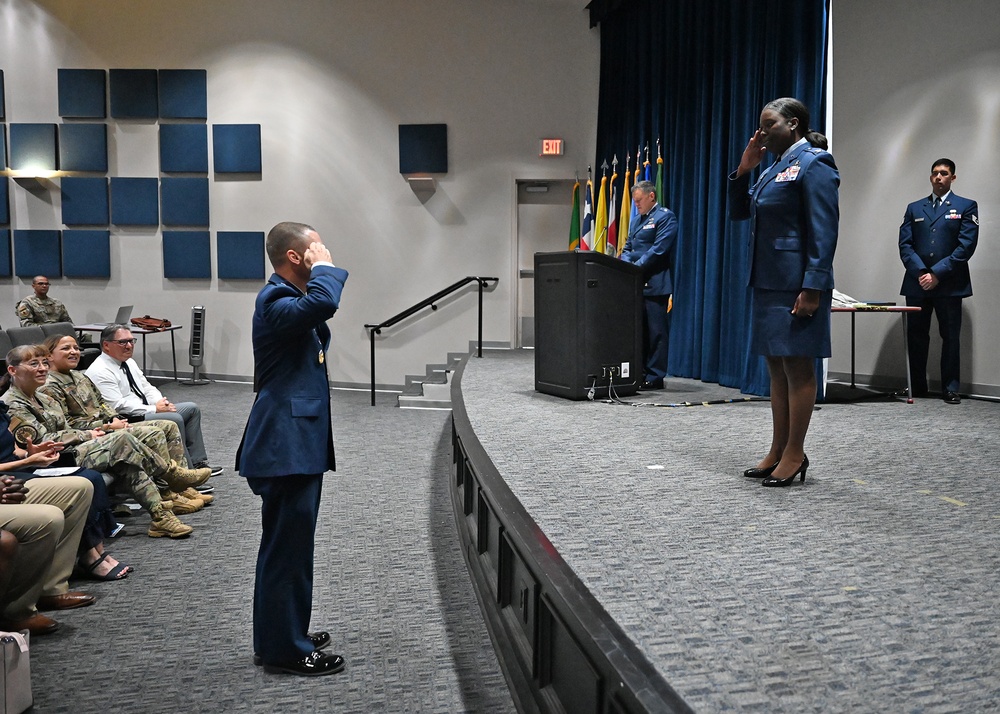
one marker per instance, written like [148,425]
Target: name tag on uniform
[917,220]
[788,174]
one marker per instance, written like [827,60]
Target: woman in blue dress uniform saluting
[794,215]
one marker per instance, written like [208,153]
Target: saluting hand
[752,155]
[316,252]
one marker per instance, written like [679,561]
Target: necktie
[131,383]
[937,202]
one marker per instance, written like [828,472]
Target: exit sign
[552,147]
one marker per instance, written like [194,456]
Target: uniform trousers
[282,599]
[188,421]
[918,340]
[655,336]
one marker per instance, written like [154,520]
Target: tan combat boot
[182,505]
[179,478]
[165,523]
[193,495]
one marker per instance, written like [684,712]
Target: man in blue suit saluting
[288,445]
[938,236]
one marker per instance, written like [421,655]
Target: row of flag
[606,231]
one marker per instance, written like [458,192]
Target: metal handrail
[429,302]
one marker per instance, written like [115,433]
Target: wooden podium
[588,325]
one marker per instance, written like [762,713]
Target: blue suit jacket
[289,430]
[795,215]
[650,245]
[940,241]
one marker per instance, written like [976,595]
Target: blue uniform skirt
[776,332]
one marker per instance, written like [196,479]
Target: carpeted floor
[391,587]
[872,588]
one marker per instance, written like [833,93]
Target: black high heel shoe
[761,473]
[788,481]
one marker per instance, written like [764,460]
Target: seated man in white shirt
[125,388]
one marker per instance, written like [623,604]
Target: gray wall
[912,82]
[329,82]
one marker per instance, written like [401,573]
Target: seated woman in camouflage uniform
[119,452]
[85,409]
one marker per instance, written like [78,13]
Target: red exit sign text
[552,147]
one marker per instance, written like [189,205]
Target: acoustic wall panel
[83,147]
[84,201]
[4,201]
[240,255]
[423,148]
[83,93]
[134,201]
[133,94]
[236,148]
[184,201]
[36,252]
[86,254]
[3,114]
[33,147]
[5,262]
[187,254]
[183,93]
[183,148]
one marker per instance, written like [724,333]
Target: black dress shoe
[651,385]
[314,664]
[761,473]
[319,641]
[952,398]
[772,482]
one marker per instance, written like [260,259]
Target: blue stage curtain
[696,74]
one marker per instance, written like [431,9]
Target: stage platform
[873,587]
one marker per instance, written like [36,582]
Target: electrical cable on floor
[615,399]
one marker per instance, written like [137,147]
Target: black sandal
[119,572]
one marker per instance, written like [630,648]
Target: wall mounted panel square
[184,148]
[183,93]
[33,147]
[83,147]
[3,114]
[5,262]
[36,253]
[187,254]
[236,148]
[240,255]
[83,93]
[184,201]
[4,201]
[84,201]
[423,148]
[134,201]
[86,254]
[133,94]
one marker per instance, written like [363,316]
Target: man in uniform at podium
[650,246]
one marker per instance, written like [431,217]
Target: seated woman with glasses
[86,409]
[23,462]
[118,453]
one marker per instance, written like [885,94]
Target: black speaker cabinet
[588,324]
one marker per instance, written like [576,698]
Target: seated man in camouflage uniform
[40,309]
[85,409]
[120,453]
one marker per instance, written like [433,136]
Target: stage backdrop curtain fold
[695,74]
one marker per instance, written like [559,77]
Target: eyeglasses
[124,343]
[35,364]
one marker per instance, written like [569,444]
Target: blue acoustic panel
[3,114]
[133,94]
[184,201]
[4,201]
[83,147]
[83,93]
[184,148]
[187,254]
[134,201]
[240,255]
[236,148]
[36,253]
[423,148]
[84,201]
[33,147]
[5,262]
[86,254]
[183,93]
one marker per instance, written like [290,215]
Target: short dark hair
[645,187]
[108,333]
[944,162]
[284,237]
